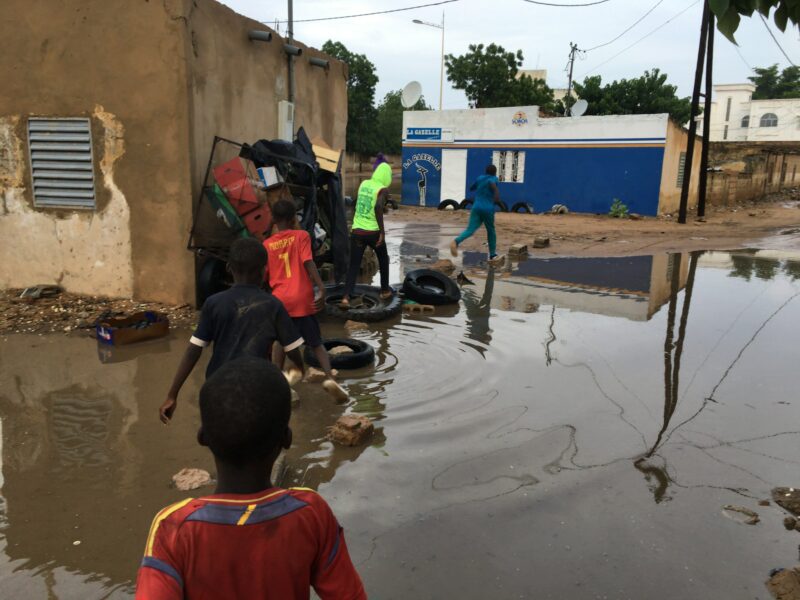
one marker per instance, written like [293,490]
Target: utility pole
[573,49]
[290,37]
[701,196]
[441,72]
[698,77]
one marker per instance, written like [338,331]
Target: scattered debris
[749,517]
[191,479]
[541,241]
[445,266]
[789,523]
[752,214]
[351,430]
[138,327]
[51,314]
[518,250]
[76,543]
[788,498]
[41,291]
[635,217]
[559,209]
[411,308]
[335,390]
[784,584]
[764,502]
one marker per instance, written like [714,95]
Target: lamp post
[441,73]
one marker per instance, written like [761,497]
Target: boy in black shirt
[241,321]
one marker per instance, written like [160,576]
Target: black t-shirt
[244,321]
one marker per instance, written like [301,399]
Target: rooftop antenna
[411,94]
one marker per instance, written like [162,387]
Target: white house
[736,117]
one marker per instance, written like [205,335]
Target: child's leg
[383,265]
[357,248]
[278,355]
[472,227]
[323,359]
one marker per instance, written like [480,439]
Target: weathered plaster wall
[670,194]
[236,85]
[121,62]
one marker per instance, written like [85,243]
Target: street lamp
[441,74]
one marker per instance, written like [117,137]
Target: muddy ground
[601,235]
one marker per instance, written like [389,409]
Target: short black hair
[284,211]
[244,410]
[247,256]
[491,170]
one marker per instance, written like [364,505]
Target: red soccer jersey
[288,251]
[271,545]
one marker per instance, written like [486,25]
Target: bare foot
[335,390]
[454,248]
[344,304]
[293,376]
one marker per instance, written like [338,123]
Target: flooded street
[572,429]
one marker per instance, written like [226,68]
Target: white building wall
[788,128]
[736,117]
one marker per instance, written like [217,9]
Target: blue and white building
[584,163]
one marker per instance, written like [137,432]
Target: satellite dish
[411,94]
[579,108]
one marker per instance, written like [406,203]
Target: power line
[369,14]
[744,60]
[664,24]
[565,5]
[642,18]
[777,43]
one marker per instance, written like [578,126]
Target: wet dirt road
[570,430]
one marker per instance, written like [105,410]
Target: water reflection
[478,311]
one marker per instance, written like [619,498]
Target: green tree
[389,122]
[729,13]
[770,84]
[361,112]
[648,94]
[489,77]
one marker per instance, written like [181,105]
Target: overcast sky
[403,51]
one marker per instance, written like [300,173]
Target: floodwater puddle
[573,428]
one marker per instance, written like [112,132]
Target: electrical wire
[369,14]
[777,43]
[642,18]
[565,5]
[647,35]
[744,60]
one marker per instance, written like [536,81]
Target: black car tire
[427,286]
[362,354]
[373,308]
[466,204]
[213,277]
[445,204]
[522,207]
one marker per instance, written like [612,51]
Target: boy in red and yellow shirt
[249,539]
[292,275]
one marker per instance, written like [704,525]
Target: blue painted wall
[585,179]
[422,166]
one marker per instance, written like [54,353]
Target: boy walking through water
[249,539]
[368,230]
[292,275]
[486,196]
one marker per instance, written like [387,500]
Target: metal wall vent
[61,163]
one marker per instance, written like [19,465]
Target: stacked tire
[426,286]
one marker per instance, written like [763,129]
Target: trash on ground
[140,326]
[351,430]
[789,523]
[41,291]
[784,584]
[634,216]
[335,390]
[788,498]
[740,514]
[444,265]
[191,479]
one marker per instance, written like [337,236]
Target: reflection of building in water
[632,287]
[759,264]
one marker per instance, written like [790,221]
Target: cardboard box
[269,176]
[139,326]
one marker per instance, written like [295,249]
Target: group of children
[251,539]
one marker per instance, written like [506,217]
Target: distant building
[736,117]
[558,93]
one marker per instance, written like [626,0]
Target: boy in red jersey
[292,275]
[249,539]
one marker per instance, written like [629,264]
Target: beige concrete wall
[120,63]
[670,194]
[236,85]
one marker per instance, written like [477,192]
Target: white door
[454,174]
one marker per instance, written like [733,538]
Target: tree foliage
[729,13]
[489,77]
[389,123]
[648,94]
[361,111]
[770,84]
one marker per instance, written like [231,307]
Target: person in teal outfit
[486,196]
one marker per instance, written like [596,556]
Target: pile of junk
[243,181]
